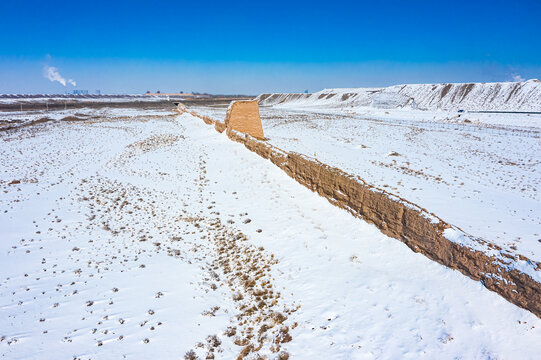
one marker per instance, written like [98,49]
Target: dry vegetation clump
[190,355]
[155,142]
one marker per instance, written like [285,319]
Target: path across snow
[151,237]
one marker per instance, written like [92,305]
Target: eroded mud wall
[243,116]
[398,218]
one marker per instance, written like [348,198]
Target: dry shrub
[190,355]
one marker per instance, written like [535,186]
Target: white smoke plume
[53,75]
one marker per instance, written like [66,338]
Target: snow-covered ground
[149,237]
[24,99]
[21,118]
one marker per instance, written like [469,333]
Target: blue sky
[252,47]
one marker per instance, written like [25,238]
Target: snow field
[152,237]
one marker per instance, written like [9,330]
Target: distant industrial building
[77,92]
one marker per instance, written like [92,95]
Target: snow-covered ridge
[501,96]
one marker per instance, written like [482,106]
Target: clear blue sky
[260,46]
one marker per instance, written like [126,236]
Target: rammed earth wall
[243,116]
[420,230]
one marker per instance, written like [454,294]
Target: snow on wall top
[502,96]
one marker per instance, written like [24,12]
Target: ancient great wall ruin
[394,216]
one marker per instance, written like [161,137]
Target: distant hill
[502,96]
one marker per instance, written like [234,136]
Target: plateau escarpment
[503,96]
